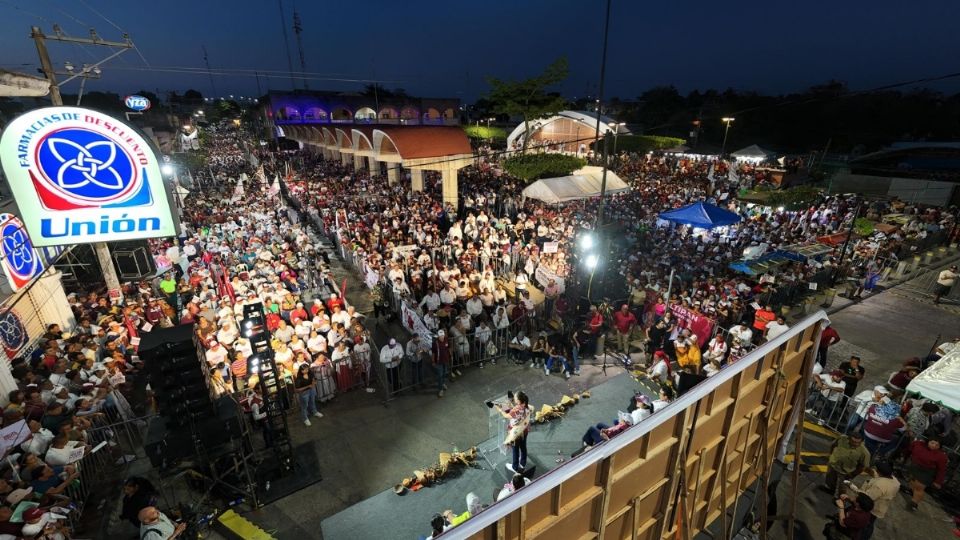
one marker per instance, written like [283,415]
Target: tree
[193,96]
[529,97]
[530,167]
[154,99]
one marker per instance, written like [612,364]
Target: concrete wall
[911,190]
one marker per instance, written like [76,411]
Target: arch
[344,143]
[315,114]
[383,144]
[431,114]
[287,113]
[409,113]
[449,113]
[365,115]
[388,113]
[360,142]
[329,139]
[341,115]
[314,134]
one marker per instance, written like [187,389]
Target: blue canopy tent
[702,215]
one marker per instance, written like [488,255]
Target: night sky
[448,47]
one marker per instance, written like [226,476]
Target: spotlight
[591,261]
[586,241]
[166,169]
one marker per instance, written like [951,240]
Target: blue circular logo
[17,249]
[13,335]
[83,166]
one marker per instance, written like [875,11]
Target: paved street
[884,330]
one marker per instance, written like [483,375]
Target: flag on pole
[238,192]
[261,175]
[275,188]
[732,174]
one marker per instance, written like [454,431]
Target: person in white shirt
[482,334]
[317,344]
[776,328]
[39,440]
[216,354]
[339,316]
[431,301]
[660,370]
[390,356]
[228,333]
[520,345]
[716,349]
[741,332]
[361,351]
[474,306]
[517,482]
[448,295]
[664,399]
[945,281]
[831,386]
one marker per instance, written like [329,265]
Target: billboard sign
[22,262]
[80,176]
[137,103]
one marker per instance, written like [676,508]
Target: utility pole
[206,61]
[298,29]
[100,248]
[286,44]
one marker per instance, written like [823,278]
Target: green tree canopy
[530,167]
[529,98]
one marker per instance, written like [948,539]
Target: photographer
[852,518]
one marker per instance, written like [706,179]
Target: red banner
[701,325]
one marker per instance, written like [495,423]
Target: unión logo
[136,103]
[13,335]
[20,260]
[82,176]
[80,168]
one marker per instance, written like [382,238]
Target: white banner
[13,435]
[414,324]
[543,277]
[551,247]
[405,251]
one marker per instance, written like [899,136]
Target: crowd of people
[496,278]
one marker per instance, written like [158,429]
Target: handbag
[491,349]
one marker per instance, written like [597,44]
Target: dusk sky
[447,47]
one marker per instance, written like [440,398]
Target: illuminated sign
[13,335]
[22,262]
[136,103]
[80,176]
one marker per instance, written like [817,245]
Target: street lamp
[726,120]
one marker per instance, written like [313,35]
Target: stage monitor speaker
[132,260]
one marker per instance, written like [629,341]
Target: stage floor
[364,448]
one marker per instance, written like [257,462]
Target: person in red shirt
[334,300]
[761,318]
[928,466]
[828,337]
[299,313]
[624,321]
[853,519]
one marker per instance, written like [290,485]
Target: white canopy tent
[753,153]
[582,184]
[941,381]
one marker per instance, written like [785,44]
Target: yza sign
[80,176]
[136,103]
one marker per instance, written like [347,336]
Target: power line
[231,73]
[20,9]
[102,16]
